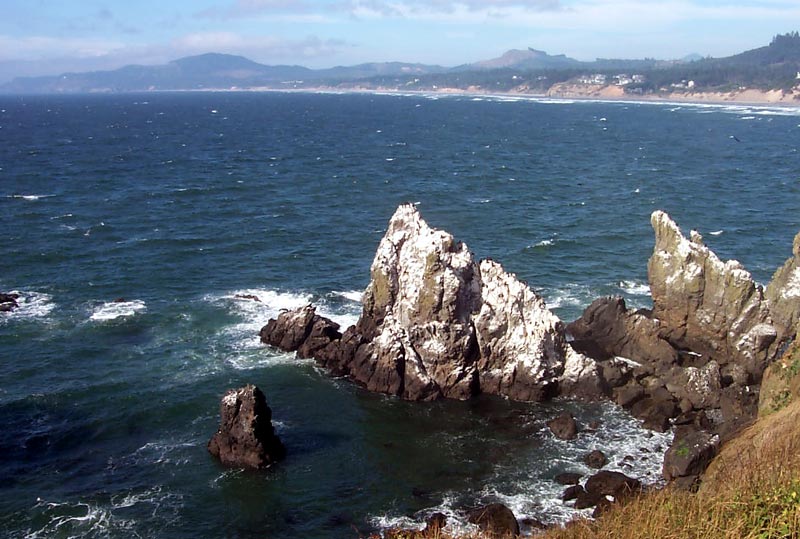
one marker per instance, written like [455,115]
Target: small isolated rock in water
[596,459]
[496,520]
[564,426]
[8,302]
[246,437]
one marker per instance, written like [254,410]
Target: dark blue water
[177,203]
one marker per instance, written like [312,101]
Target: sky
[50,37]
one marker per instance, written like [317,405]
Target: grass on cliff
[751,491]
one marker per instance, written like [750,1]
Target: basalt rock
[608,329]
[564,426]
[246,437]
[616,484]
[688,456]
[436,323]
[8,302]
[495,520]
[705,344]
[595,459]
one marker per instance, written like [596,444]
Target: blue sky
[55,36]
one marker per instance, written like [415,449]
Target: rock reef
[437,323]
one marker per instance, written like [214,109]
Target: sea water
[136,229]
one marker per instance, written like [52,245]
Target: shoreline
[745,98]
[773,99]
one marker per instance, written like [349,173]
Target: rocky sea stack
[437,323]
[246,437]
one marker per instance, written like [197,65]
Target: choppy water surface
[131,223]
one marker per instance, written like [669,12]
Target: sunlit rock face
[715,308]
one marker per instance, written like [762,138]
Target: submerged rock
[8,302]
[436,323]
[245,436]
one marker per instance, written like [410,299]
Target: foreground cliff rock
[246,437]
[436,323]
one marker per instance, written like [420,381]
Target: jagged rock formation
[246,437]
[436,323]
[711,307]
[701,351]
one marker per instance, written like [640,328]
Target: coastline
[789,100]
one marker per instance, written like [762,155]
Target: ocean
[131,223]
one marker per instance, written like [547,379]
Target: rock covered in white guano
[522,344]
[463,326]
[436,323]
[708,306]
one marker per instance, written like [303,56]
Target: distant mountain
[529,59]
[205,71]
[363,71]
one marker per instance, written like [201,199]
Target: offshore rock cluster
[436,323]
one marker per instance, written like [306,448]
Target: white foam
[117,309]
[106,519]
[571,295]
[29,197]
[31,305]
[351,295]
[635,288]
[255,307]
[543,243]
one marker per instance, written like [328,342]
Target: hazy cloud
[248,8]
[36,56]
